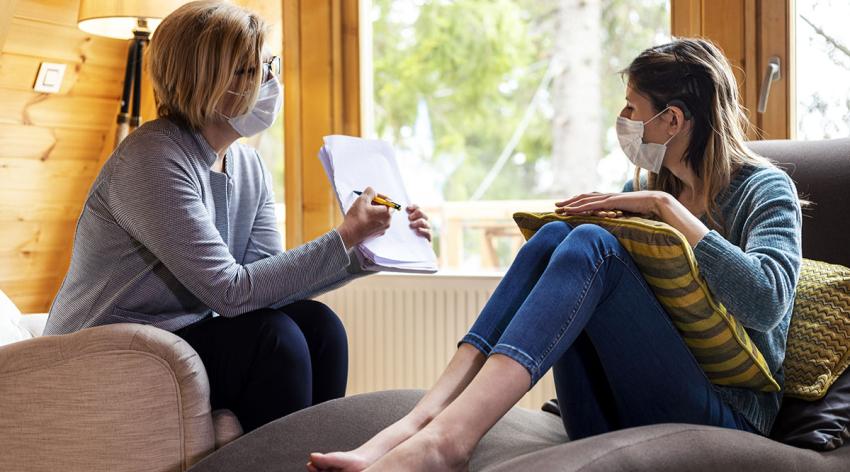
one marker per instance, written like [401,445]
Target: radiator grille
[403,329]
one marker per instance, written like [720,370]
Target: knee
[593,236]
[324,320]
[281,338]
[587,239]
[550,235]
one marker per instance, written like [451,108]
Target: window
[269,144]
[495,106]
[822,44]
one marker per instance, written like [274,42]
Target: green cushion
[719,343]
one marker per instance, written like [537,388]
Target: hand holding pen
[418,219]
[364,219]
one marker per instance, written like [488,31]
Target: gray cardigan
[164,240]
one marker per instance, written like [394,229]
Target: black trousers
[268,363]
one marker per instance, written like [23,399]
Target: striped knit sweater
[165,240]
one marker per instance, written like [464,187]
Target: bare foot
[428,450]
[372,450]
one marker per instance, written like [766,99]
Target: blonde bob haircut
[198,53]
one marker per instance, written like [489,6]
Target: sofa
[129,397]
[526,440]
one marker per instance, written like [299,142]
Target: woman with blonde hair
[574,301]
[178,230]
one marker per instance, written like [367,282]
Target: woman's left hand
[644,202]
[419,221]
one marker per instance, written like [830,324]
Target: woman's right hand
[364,220]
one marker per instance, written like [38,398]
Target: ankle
[451,442]
[421,416]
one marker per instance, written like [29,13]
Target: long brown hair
[695,73]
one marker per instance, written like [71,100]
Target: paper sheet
[356,163]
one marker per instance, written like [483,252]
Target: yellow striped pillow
[719,343]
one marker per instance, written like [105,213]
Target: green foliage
[476,64]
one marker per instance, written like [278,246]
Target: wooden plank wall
[50,144]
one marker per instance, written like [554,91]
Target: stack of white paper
[356,163]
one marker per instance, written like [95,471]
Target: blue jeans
[573,300]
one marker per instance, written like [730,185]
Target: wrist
[661,202]
[346,236]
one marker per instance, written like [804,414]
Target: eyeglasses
[270,68]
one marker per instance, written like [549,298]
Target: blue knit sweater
[752,267]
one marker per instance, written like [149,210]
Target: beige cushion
[10,329]
[33,324]
[227,427]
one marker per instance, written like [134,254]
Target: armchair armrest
[114,397]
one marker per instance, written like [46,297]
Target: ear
[676,123]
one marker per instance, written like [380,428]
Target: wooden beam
[292,122]
[322,95]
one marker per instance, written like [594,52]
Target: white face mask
[647,156]
[261,116]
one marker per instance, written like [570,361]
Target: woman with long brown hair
[574,301]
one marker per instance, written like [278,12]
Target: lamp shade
[118,18]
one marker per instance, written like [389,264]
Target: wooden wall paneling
[50,144]
[7,12]
[49,11]
[89,80]
[321,79]
[33,108]
[43,143]
[56,43]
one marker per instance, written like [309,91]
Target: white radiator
[403,329]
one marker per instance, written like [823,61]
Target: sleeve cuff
[338,247]
[709,251]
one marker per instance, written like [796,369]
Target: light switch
[49,78]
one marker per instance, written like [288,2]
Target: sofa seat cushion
[522,440]
[285,444]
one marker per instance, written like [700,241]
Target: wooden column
[321,96]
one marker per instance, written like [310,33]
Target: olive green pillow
[719,343]
[818,349]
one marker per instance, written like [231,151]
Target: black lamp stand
[132,82]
